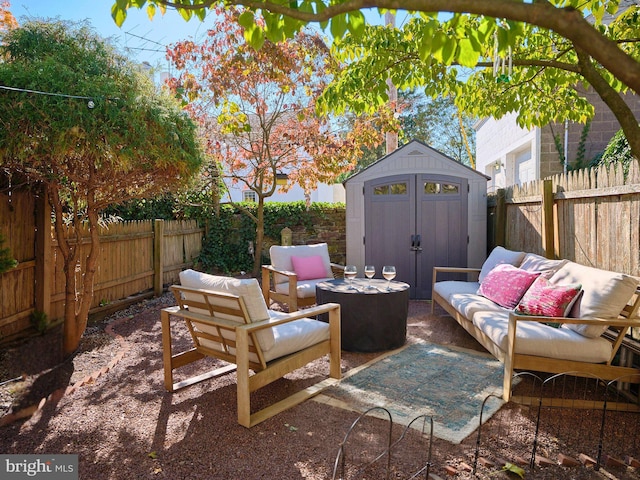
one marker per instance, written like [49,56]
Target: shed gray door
[416,222]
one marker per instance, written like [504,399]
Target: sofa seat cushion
[604,294]
[534,338]
[448,287]
[295,336]
[305,288]
[469,303]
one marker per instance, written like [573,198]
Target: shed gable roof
[416,148]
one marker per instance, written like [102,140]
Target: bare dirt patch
[123,424]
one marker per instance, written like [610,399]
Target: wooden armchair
[228,319]
[294,272]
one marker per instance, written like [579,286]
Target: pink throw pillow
[506,284]
[309,268]
[549,300]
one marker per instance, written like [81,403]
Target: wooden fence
[135,258]
[590,216]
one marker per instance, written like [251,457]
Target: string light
[90,100]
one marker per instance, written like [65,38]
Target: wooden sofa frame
[618,328]
[238,343]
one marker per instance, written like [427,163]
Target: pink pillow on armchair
[506,284]
[309,268]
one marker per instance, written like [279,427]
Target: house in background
[511,155]
[322,193]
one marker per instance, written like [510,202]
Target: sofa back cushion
[604,294]
[248,289]
[537,263]
[506,284]
[500,255]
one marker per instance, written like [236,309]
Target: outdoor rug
[447,383]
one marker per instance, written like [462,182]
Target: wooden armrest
[456,269]
[297,315]
[337,270]
[611,322]
[201,317]
[272,269]
[437,270]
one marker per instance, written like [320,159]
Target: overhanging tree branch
[614,101]
[567,22]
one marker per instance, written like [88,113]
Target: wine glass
[369,272]
[389,273]
[350,272]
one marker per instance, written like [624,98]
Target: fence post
[501,217]
[44,262]
[548,232]
[158,273]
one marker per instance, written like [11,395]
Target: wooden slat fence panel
[182,244]
[524,218]
[17,226]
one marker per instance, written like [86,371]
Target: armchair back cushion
[281,257]
[248,289]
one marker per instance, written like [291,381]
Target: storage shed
[416,208]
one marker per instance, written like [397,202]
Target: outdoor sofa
[542,315]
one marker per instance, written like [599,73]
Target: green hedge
[225,248]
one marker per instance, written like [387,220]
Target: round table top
[362,285]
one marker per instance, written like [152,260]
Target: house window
[391,189]
[249,196]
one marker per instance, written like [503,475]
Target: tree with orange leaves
[7,20]
[258,109]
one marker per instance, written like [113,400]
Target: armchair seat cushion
[305,288]
[295,336]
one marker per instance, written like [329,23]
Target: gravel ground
[123,424]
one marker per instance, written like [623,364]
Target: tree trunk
[259,237]
[613,100]
[77,303]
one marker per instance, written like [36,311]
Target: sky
[140,38]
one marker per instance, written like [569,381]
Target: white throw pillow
[497,256]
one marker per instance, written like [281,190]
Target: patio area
[123,424]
